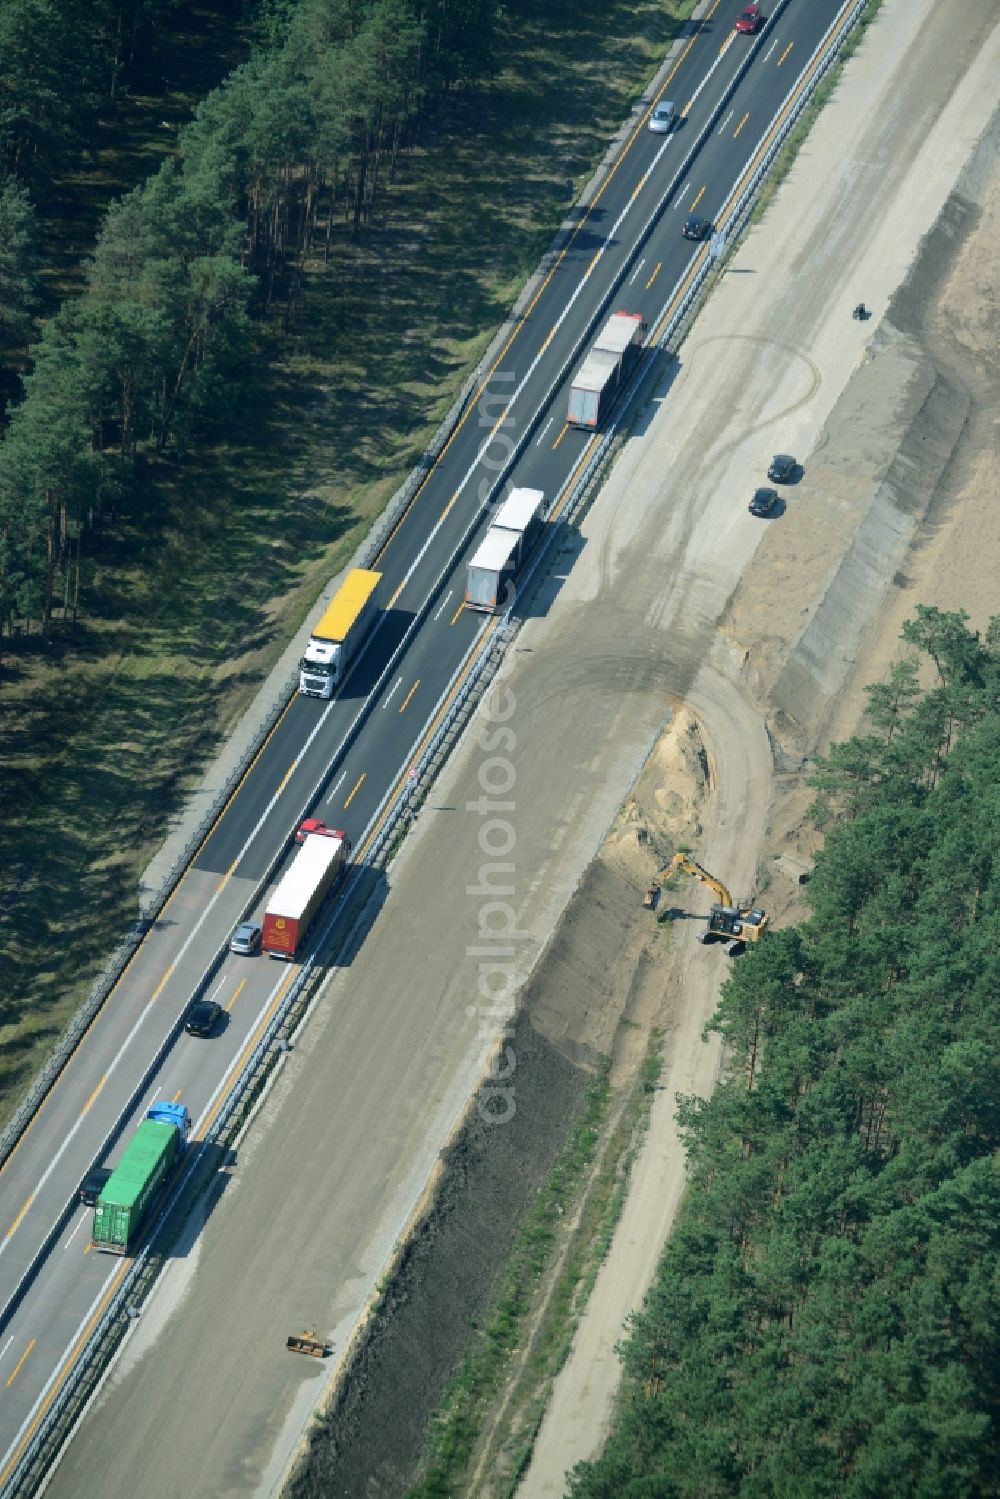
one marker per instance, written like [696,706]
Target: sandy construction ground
[895,423]
[673,597]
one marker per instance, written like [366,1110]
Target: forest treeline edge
[153,355]
[825,1320]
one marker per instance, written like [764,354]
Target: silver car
[246,939]
[664,118]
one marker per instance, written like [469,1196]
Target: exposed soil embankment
[906,473]
[869,484]
[595,995]
[371,1439]
[899,464]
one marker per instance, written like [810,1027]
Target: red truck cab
[318,826]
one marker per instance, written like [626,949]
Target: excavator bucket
[307,1342]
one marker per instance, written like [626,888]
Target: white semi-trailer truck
[606,369]
[334,642]
[513,533]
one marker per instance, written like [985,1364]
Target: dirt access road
[871,181]
[339,1159]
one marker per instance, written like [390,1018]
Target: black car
[763,502]
[202,1018]
[782,468]
[696,228]
[93,1185]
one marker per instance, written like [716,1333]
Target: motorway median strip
[480,643]
[246,771]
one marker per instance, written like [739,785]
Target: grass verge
[457,1423]
[105,731]
[485,1429]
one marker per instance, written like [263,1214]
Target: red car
[750,20]
[315,825]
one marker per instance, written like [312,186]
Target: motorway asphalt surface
[339,759]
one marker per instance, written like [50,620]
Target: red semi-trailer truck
[606,369]
[299,895]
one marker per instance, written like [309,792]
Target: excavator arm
[685,861]
[727,921]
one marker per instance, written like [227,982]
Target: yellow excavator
[727,922]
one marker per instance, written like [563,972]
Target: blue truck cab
[175,1114]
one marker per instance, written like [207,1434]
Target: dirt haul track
[765,632]
[902,484]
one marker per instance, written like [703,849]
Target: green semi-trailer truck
[141,1173]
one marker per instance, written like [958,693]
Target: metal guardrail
[127,949]
[473,674]
[477,665]
[154,904]
[740,212]
[364,557]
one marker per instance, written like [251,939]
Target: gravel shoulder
[347,1150]
[895,424]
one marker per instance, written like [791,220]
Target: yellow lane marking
[142,945]
[285,780]
[177,1097]
[239,991]
[785,53]
[457,612]
[429,730]
[741,124]
[559,439]
[548,338]
[790,103]
[578,470]
[13,1227]
[444,512]
[501,356]
[357,788]
[526,315]
[20,1361]
[87,1106]
[112,1289]
[56,1385]
[156,991]
[431,727]
[697,200]
[409,695]
[396,594]
[654,275]
[226,877]
[251,1041]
